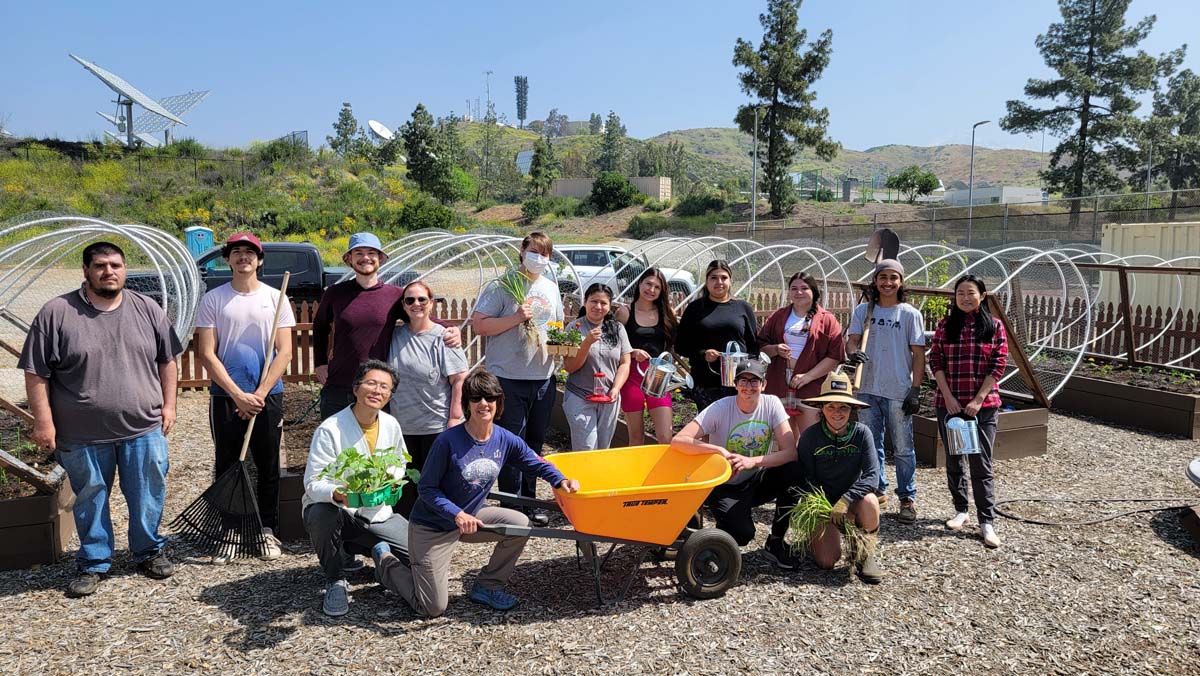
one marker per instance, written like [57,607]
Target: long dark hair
[715,265]
[985,325]
[666,316]
[812,284]
[608,325]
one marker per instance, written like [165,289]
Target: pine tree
[420,143]
[488,174]
[522,84]
[1178,110]
[450,145]
[612,145]
[1093,99]
[595,124]
[544,167]
[778,76]
[344,131]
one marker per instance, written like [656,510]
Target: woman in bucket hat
[837,456]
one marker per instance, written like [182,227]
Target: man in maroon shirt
[361,313]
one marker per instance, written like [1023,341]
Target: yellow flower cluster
[197,215]
[554,325]
[13,188]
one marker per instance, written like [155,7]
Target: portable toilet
[199,239]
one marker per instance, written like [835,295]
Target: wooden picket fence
[1040,314]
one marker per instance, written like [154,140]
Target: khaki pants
[424,584]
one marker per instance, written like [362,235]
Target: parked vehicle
[309,278]
[614,267]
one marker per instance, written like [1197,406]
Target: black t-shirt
[707,325]
[844,466]
[652,339]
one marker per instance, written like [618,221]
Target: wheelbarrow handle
[506,529]
[522,501]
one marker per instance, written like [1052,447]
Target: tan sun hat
[837,390]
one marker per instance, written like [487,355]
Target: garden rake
[225,518]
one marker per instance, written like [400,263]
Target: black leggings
[418,446]
[228,430]
[733,504]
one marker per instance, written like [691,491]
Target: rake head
[225,518]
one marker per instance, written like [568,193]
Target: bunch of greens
[517,284]
[557,335]
[811,514]
[369,472]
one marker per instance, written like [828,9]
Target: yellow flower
[554,325]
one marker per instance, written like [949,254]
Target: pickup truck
[309,278]
[613,266]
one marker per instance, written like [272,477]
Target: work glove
[837,516]
[912,403]
[857,358]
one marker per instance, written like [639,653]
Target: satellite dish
[380,131]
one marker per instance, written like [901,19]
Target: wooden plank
[1127,317]
[41,481]
[23,415]
[1017,351]
[10,349]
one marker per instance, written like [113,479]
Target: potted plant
[371,479]
[563,342]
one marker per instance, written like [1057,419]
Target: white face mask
[535,262]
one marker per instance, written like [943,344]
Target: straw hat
[837,390]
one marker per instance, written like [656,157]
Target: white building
[994,194]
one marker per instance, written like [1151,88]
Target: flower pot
[388,495]
[567,351]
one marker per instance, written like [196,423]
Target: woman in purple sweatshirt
[460,470]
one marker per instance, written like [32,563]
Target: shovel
[884,244]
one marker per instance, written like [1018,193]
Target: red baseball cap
[242,238]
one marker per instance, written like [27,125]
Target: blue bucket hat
[365,239]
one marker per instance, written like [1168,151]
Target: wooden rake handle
[262,379]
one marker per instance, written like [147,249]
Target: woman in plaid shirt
[968,356]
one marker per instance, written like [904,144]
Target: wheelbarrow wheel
[708,564]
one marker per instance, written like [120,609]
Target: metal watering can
[962,435]
[731,359]
[660,376]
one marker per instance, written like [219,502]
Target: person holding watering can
[968,356]
[804,341]
[709,324]
[651,327]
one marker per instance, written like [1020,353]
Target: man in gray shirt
[100,375]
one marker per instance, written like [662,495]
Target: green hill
[732,148]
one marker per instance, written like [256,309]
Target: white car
[614,267]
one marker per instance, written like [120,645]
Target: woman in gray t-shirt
[602,363]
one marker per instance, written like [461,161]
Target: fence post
[932,224]
[243,163]
[139,164]
[1095,215]
[196,169]
[875,220]
[1126,318]
[1004,228]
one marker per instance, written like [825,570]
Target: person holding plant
[893,369]
[362,313]
[462,466]
[432,373]
[651,326]
[708,324]
[837,458]
[602,363]
[968,355]
[233,329]
[804,341]
[513,313]
[339,531]
[741,429]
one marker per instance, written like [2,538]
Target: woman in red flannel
[968,356]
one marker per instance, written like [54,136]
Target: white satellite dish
[380,131]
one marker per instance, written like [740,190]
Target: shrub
[645,226]
[422,211]
[701,200]
[534,207]
[612,191]
[657,205]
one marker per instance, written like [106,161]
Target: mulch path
[1119,596]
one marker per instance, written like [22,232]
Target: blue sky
[916,73]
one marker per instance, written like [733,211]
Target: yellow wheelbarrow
[645,496]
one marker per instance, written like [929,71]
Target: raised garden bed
[1020,433]
[1147,403]
[36,529]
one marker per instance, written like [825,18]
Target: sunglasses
[414,300]
[483,397]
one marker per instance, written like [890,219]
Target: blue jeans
[886,419]
[142,464]
[527,408]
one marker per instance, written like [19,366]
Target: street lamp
[971,181]
[754,178]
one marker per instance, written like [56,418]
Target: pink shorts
[633,399]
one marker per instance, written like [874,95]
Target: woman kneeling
[460,470]
[837,456]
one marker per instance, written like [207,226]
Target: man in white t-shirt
[742,428]
[233,331]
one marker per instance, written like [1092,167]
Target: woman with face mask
[599,368]
[524,367]
[708,324]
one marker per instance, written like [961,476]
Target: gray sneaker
[908,511]
[337,599]
[84,584]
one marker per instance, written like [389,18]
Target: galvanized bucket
[962,435]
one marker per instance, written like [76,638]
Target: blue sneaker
[498,599]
